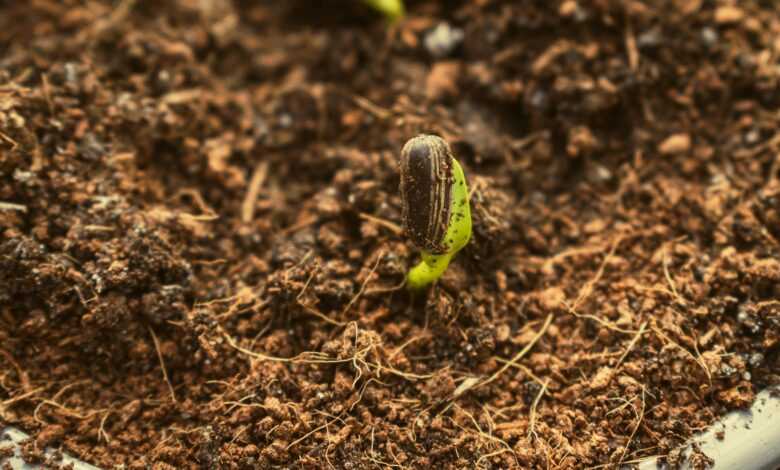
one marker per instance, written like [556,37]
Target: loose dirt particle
[602,378]
[675,144]
[728,14]
[442,80]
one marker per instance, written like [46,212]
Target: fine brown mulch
[200,253]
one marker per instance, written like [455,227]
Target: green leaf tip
[392,9]
[436,210]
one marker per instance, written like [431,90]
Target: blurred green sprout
[392,9]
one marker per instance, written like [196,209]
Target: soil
[200,253]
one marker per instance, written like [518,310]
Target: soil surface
[200,253]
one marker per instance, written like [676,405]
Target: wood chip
[442,80]
[250,201]
[729,14]
[9,206]
[675,144]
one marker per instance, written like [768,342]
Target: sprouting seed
[436,211]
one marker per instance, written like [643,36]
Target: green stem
[458,235]
[428,270]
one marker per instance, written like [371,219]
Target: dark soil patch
[198,249]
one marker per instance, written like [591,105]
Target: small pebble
[442,40]
[756,359]
[752,136]
[71,72]
[709,36]
[285,120]
[23,176]
[748,322]
[650,39]
[539,99]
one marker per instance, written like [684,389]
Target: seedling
[436,212]
[392,9]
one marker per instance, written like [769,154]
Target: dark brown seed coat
[426,184]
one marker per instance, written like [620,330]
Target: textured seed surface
[426,183]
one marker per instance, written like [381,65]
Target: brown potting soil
[200,253]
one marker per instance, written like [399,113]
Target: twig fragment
[632,344]
[10,206]
[532,415]
[395,228]
[253,191]
[162,364]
